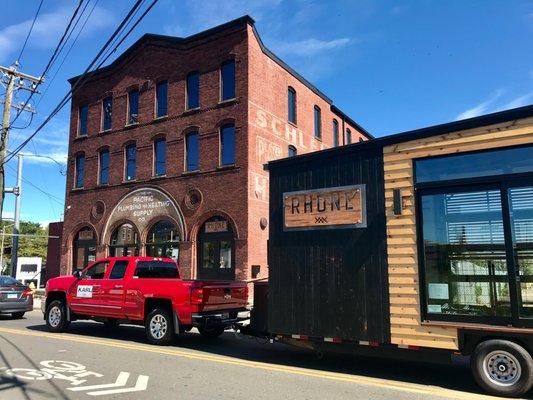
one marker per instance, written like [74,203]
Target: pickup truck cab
[146,291]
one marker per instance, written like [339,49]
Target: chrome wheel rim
[54,316]
[502,368]
[158,326]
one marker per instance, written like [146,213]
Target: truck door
[84,295]
[112,290]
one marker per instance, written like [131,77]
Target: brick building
[167,146]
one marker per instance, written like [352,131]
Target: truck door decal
[84,291]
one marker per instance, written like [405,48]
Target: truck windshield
[156,269]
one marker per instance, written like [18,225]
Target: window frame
[103,122]
[317,122]
[292,104]
[293,149]
[154,156]
[118,262]
[186,147]
[156,103]
[128,115]
[348,138]
[125,174]
[221,145]
[221,81]
[187,94]
[79,156]
[100,183]
[79,130]
[335,133]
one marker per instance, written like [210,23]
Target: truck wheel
[17,315]
[159,327]
[502,368]
[211,332]
[56,316]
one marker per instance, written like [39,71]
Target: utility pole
[16,228]
[13,80]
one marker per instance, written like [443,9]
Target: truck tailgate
[224,295]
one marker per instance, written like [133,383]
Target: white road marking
[142,384]
[122,379]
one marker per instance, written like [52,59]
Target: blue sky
[392,66]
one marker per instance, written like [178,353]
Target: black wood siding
[330,283]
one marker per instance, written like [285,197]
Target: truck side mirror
[77,274]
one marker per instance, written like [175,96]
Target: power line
[49,195]
[87,73]
[29,32]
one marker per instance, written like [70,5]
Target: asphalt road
[91,361]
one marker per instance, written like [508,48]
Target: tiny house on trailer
[420,242]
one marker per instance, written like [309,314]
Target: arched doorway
[83,248]
[124,241]
[216,250]
[163,240]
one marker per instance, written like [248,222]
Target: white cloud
[48,29]
[520,101]
[481,108]
[311,47]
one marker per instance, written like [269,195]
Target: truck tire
[211,333]
[17,315]
[56,316]
[159,327]
[502,368]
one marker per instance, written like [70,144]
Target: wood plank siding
[405,309]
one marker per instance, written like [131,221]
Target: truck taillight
[197,295]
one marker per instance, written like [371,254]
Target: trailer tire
[502,368]
[159,327]
[56,316]
[211,333]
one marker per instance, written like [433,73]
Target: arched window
[124,241]
[291,100]
[335,133]
[80,171]
[163,240]
[103,172]
[160,157]
[83,248]
[216,250]
[318,122]
[133,107]
[292,151]
[130,161]
[192,152]
[227,145]
[107,112]
[348,136]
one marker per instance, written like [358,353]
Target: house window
[80,171]
[192,151]
[161,99]
[193,90]
[318,123]
[83,114]
[103,179]
[291,99]
[292,151]
[133,107]
[227,144]
[107,111]
[335,133]
[227,74]
[131,159]
[348,136]
[160,157]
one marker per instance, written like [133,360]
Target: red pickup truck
[146,291]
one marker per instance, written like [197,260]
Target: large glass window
[227,144]
[97,271]
[193,90]
[192,153]
[124,241]
[103,178]
[335,133]
[83,248]
[486,163]
[163,240]
[156,270]
[161,99]
[227,80]
[107,112]
[133,107]
[83,117]
[317,122]
[216,258]
[160,157]
[291,99]
[80,171]
[130,153]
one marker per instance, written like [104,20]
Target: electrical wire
[87,73]
[29,32]
[49,195]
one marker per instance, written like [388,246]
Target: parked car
[15,297]
[146,291]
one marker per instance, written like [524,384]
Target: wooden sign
[330,208]
[216,226]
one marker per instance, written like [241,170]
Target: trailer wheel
[502,368]
[159,327]
[211,333]
[56,316]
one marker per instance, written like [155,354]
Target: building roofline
[338,111]
[422,133]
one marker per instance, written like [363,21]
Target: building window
[292,151]
[335,133]
[83,248]
[161,99]
[133,107]
[107,111]
[227,144]
[124,241]
[348,136]
[227,80]
[82,115]
[216,250]
[361,139]
[291,99]
[163,240]
[192,151]
[103,178]
[131,159]
[80,171]
[193,90]
[318,123]
[160,157]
